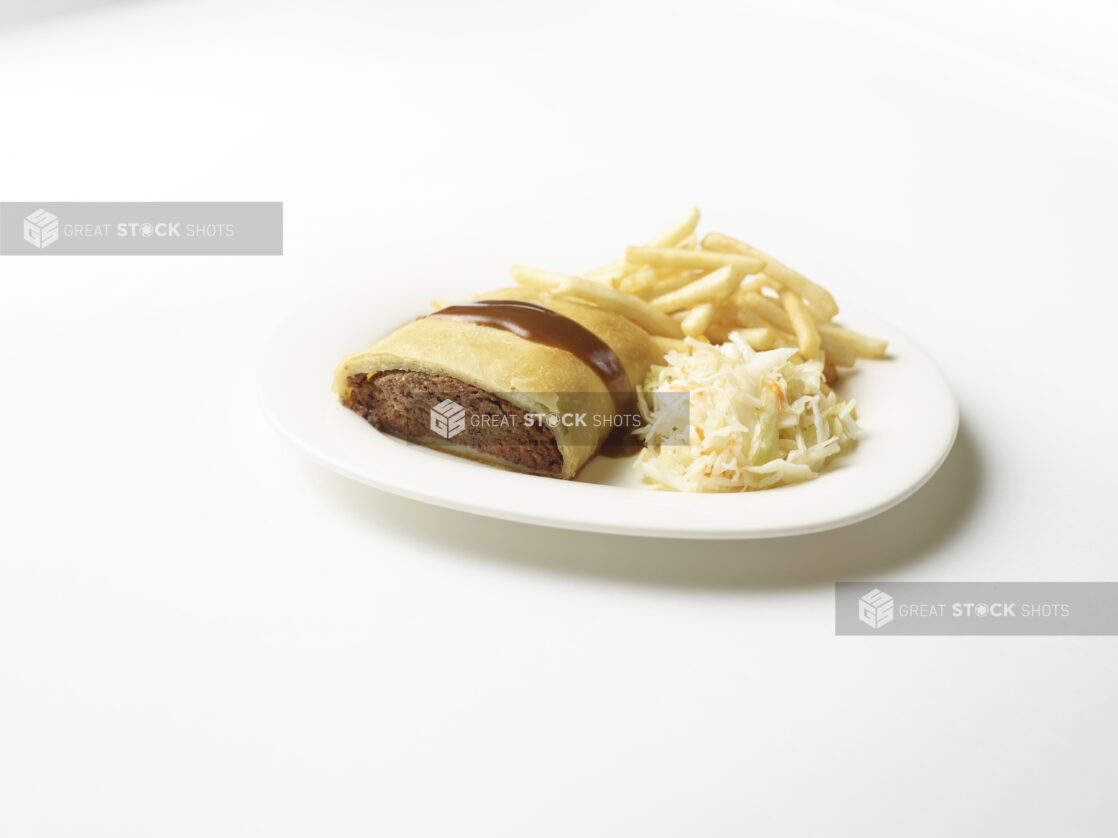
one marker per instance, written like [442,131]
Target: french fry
[650,319]
[695,324]
[637,279]
[836,354]
[727,313]
[537,278]
[611,274]
[732,315]
[668,257]
[815,294]
[815,313]
[802,323]
[761,311]
[748,285]
[767,309]
[765,282]
[714,286]
[759,339]
[676,286]
[645,280]
[752,320]
[782,338]
[859,345]
[669,283]
[670,344]
[728,244]
[719,332]
[679,231]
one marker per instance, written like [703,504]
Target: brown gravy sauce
[542,325]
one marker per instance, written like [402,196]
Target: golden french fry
[802,323]
[728,244]
[650,319]
[714,286]
[670,344]
[674,286]
[767,309]
[611,274]
[636,278]
[752,320]
[857,344]
[816,314]
[767,283]
[719,332]
[782,338]
[679,231]
[727,314]
[668,257]
[815,294]
[733,315]
[646,279]
[751,284]
[759,339]
[538,278]
[670,282]
[836,354]
[695,324]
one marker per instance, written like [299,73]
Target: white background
[201,634]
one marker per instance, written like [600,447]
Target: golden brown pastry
[504,380]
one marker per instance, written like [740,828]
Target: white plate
[905,408]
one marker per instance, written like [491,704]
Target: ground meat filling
[399,402]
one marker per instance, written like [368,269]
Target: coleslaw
[755,419]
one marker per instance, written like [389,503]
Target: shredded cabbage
[757,419]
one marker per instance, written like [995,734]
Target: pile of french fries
[677,286]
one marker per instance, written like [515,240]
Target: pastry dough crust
[533,376]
